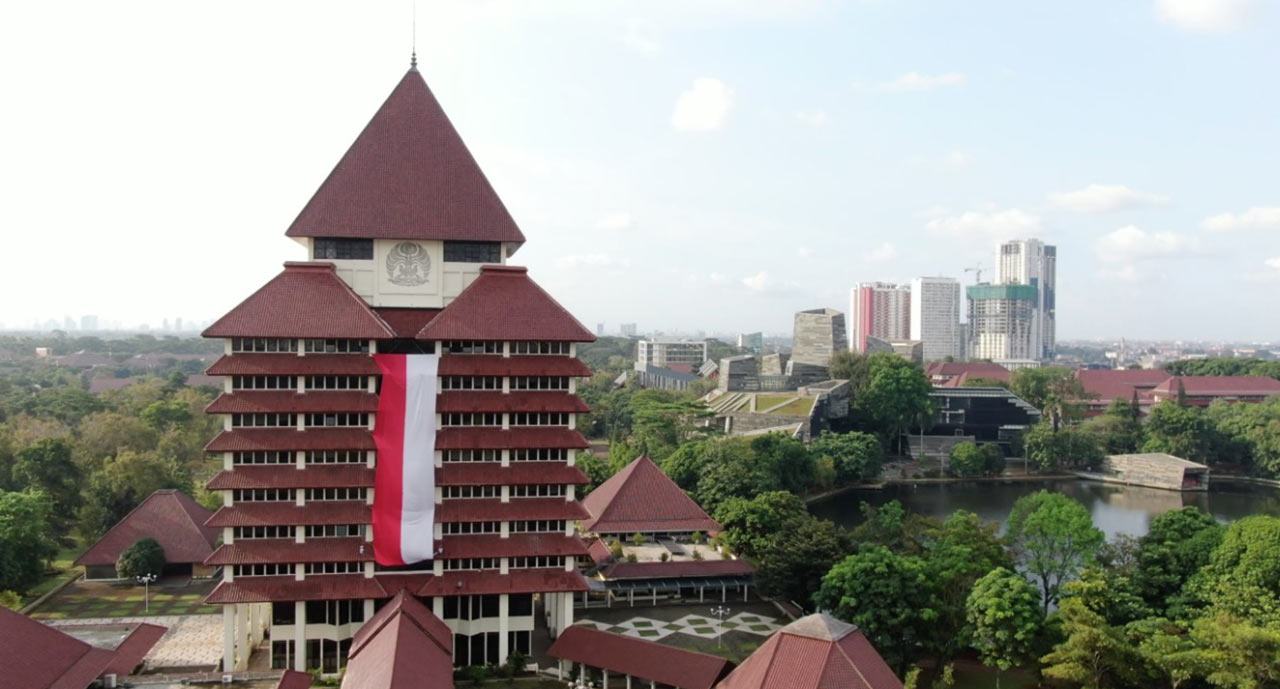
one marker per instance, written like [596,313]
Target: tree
[1054,390]
[103,434]
[967,459]
[47,467]
[1068,448]
[1238,653]
[1168,651]
[10,600]
[143,557]
[891,526]
[165,415]
[1054,538]
[853,367]
[736,476]
[1093,653]
[122,483]
[980,382]
[1249,432]
[1242,577]
[1177,545]
[596,468]
[889,597]
[1181,431]
[896,395]
[787,459]
[959,552]
[793,562]
[1119,430]
[856,456]
[749,524]
[1004,616]
[27,543]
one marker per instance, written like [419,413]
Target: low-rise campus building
[174,520]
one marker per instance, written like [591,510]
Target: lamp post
[580,683]
[146,580]
[720,611]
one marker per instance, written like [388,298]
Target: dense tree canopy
[142,558]
[1004,616]
[1054,538]
[27,542]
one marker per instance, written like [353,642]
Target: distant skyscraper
[88,322]
[1001,320]
[819,334]
[1032,262]
[599,329]
[879,309]
[628,329]
[751,341]
[935,316]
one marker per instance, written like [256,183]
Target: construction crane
[977,270]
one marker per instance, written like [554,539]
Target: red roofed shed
[642,499]
[35,656]
[176,522]
[624,656]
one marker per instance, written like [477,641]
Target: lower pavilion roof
[269,439]
[677,569]
[517,473]
[266,401]
[522,438]
[281,551]
[287,588]
[516,581]
[287,513]
[342,586]
[290,476]
[515,401]
[515,545]
[290,364]
[518,509]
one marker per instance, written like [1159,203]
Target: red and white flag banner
[405,482]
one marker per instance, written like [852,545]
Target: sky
[707,165]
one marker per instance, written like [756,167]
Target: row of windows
[329,494]
[471,419]
[263,420]
[540,419]
[334,568]
[540,348]
[462,528]
[539,526]
[473,252]
[312,457]
[472,491]
[262,570]
[337,383]
[348,346]
[263,344]
[334,530]
[470,383]
[337,346]
[336,457]
[540,383]
[471,563]
[449,456]
[338,419]
[538,491]
[263,383]
[536,562]
[310,531]
[320,612]
[471,347]
[250,532]
[342,249]
[263,457]
[545,454]
[263,495]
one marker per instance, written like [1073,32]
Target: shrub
[665,556]
[514,665]
[637,539]
[615,549]
[697,554]
[631,557]
[144,557]
[697,537]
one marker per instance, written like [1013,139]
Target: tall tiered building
[408,247]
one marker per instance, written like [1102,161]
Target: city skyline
[868,141]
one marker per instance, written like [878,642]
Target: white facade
[879,309]
[1032,262]
[935,316]
[662,352]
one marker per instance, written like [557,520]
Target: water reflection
[1115,508]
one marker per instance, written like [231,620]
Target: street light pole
[720,611]
[146,580]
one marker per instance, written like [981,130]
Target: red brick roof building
[623,658]
[1104,386]
[954,374]
[403,646]
[35,656]
[173,519]
[814,652]
[642,499]
[1201,391]
[301,393]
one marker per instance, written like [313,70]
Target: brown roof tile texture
[287,364]
[402,646]
[479,438]
[130,653]
[515,545]
[489,510]
[322,587]
[256,551]
[35,656]
[407,176]
[641,498]
[264,439]
[504,304]
[518,473]
[306,300]
[406,322]
[289,476]
[517,581]
[681,568]
[1220,386]
[814,652]
[255,401]
[639,658]
[516,401]
[172,518]
[515,365]
[285,513]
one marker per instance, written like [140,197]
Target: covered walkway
[623,662]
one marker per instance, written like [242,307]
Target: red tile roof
[517,581]
[976,369]
[639,658]
[292,679]
[674,569]
[317,587]
[289,476]
[402,646]
[516,365]
[35,656]
[306,300]
[252,439]
[598,551]
[518,473]
[254,401]
[814,652]
[481,401]
[487,510]
[515,545]
[255,551]
[287,364]
[1219,386]
[527,438]
[641,498]
[407,176]
[135,647]
[406,322]
[284,513]
[172,518]
[504,304]
[1103,386]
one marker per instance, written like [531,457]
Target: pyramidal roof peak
[819,625]
[408,175]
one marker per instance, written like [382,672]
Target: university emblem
[408,265]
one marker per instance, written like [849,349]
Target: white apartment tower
[935,316]
[879,309]
[1032,262]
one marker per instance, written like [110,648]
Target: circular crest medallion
[408,265]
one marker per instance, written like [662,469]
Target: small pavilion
[174,520]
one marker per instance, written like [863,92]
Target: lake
[1115,508]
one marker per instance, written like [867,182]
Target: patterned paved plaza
[694,625]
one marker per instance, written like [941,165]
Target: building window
[471,347]
[540,383]
[282,651]
[333,494]
[263,344]
[342,249]
[471,456]
[538,491]
[262,383]
[473,252]
[337,346]
[337,419]
[539,419]
[463,528]
[539,562]
[520,604]
[334,531]
[540,348]
[334,568]
[272,570]
[471,563]
[242,533]
[539,526]
[262,495]
[470,383]
[472,492]
[470,607]
[282,613]
[263,420]
[335,611]
[471,419]
[554,454]
[262,457]
[337,383]
[335,457]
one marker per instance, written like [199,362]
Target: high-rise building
[1001,321]
[752,342]
[935,316]
[663,352]
[88,322]
[819,334]
[627,329]
[408,247]
[1032,262]
[879,309]
[600,329]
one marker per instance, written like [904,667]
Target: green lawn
[95,599]
[763,402]
[800,407]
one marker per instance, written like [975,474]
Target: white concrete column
[228,638]
[437,606]
[566,602]
[604,678]
[300,636]
[504,626]
[244,644]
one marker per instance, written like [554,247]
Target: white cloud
[956,160]
[1209,16]
[639,38]
[813,118]
[1258,217]
[1272,262]
[704,107]
[763,284]
[718,278]
[589,260]
[882,254]
[1101,198]
[1011,223]
[804,252]
[1131,243]
[614,221]
[758,282]
[915,81]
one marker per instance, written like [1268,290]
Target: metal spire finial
[413,54]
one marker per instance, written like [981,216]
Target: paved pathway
[694,625]
[192,640]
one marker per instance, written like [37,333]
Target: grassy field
[99,599]
[800,407]
[763,402]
